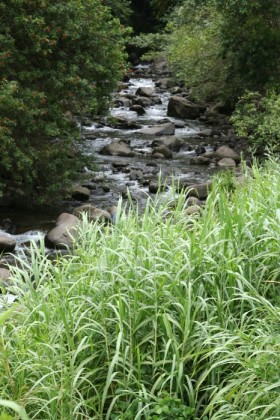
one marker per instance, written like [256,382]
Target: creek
[117,174]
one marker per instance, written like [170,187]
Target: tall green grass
[158,317]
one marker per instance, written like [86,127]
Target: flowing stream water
[31,225]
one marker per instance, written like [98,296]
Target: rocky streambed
[155,136]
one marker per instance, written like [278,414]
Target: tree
[242,38]
[56,56]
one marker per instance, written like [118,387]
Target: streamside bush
[156,317]
[58,59]
[258,118]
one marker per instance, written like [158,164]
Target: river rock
[117,148]
[122,101]
[122,123]
[200,191]
[172,142]
[163,150]
[200,160]
[179,107]
[166,129]
[5,274]
[138,108]
[160,66]
[7,243]
[164,83]
[93,213]
[143,101]
[226,163]
[227,152]
[193,210]
[136,175]
[193,201]
[80,193]
[145,91]
[155,187]
[113,210]
[208,132]
[158,156]
[63,234]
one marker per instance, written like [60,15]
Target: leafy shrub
[194,51]
[56,57]
[258,118]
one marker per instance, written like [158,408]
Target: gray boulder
[226,163]
[80,193]
[163,150]
[167,129]
[138,108]
[179,107]
[117,148]
[172,142]
[63,234]
[143,101]
[193,210]
[145,91]
[7,243]
[227,152]
[200,191]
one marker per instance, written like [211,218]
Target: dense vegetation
[223,48]
[158,317]
[56,58]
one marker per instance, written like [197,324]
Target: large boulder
[227,152]
[117,148]
[80,193]
[160,66]
[145,91]
[138,108]
[63,234]
[200,191]
[172,142]
[179,107]
[143,101]
[7,243]
[93,213]
[167,129]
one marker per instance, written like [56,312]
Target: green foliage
[120,9]
[56,57]
[194,53]
[151,44]
[223,48]
[162,7]
[168,407]
[258,118]
[150,318]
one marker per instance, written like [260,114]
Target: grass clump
[155,318]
